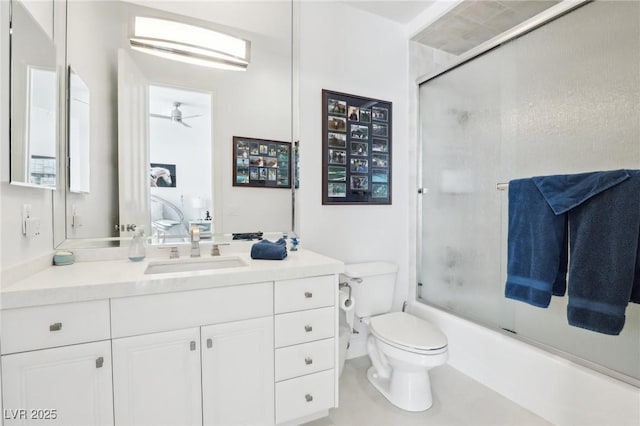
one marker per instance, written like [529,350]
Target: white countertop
[104,279]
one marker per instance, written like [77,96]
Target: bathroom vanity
[101,342]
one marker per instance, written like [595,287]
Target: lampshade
[196,203]
[190,44]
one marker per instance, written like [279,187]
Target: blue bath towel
[635,290]
[602,210]
[537,246]
[269,250]
[604,232]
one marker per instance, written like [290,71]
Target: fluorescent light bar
[191,44]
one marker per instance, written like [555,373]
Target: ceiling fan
[176,115]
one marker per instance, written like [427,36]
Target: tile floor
[457,400]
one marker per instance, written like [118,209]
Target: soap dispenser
[137,247]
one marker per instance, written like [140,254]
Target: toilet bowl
[403,349]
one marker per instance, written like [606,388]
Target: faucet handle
[215,249]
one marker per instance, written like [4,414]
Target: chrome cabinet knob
[308,397]
[308,361]
[308,328]
[308,294]
[55,327]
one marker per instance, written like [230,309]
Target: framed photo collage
[356,144]
[261,163]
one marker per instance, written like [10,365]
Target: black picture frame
[261,163]
[356,149]
[163,175]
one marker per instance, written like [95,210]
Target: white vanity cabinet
[49,374]
[251,347]
[218,372]
[306,352]
[237,373]
[215,375]
[156,379]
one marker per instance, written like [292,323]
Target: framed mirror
[124,143]
[33,100]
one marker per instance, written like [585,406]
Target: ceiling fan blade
[192,116]
[184,124]
[160,116]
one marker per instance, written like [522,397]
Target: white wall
[347,50]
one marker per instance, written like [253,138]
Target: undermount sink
[190,265]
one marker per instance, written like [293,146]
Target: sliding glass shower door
[564,98]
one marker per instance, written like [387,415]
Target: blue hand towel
[604,239]
[269,250]
[537,246]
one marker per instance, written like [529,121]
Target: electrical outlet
[32,227]
[26,214]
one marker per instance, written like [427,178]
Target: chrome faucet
[195,241]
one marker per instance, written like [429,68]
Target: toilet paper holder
[343,285]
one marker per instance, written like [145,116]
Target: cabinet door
[237,372]
[70,385]
[156,379]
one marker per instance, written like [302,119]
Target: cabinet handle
[99,362]
[209,343]
[308,328]
[55,327]
[308,294]
[308,397]
[308,361]
[192,345]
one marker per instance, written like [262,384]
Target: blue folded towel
[269,250]
[536,247]
[564,192]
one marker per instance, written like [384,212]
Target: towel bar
[502,186]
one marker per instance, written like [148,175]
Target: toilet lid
[400,328]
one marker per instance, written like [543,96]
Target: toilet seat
[409,333]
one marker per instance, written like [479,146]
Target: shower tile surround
[73,313]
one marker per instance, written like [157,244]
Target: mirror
[33,101]
[133,140]
[79,135]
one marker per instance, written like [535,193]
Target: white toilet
[402,347]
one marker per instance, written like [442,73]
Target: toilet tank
[372,286]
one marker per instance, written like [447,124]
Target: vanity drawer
[304,326]
[135,315]
[304,396]
[305,293]
[39,327]
[298,360]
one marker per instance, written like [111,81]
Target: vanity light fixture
[190,44]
